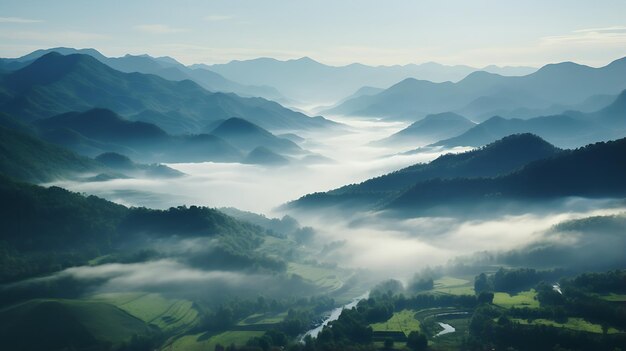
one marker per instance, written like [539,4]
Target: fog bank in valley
[386,247]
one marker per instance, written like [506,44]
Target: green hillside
[67,324]
[25,157]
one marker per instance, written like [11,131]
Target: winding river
[447,328]
[334,315]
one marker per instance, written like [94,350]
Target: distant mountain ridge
[571,129]
[165,67]
[310,81]
[55,84]
[482,93]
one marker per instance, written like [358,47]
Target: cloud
[151,274]
[18,20]
[597,36]
[159,29]
[217,18]
[603,29]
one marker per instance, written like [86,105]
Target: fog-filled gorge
[385,246]
[261,189]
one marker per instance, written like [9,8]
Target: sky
[336,32]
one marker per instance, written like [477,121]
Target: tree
[388,344]
[485,297]
[417,341]
[481,283]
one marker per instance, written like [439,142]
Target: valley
[312,176]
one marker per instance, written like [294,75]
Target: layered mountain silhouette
[55,84]
[430,129]
[165,67]
[98,131]
[484,94]
[126,166]
[247,136]
[572,129]
[501,157]
[519,168]
[307,80]
[595,171]
[26,157]
[264,156]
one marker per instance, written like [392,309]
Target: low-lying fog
[260,189]
[389,247]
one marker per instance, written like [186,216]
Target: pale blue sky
[331,31]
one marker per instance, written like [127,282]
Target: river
[333,315]
[447,328]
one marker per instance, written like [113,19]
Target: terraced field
[170,315]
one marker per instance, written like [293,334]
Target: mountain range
[481,94]
[569,130]
[309,81]
[98,131]
[520,167]
[164,67]
[26,157]
[594,171]
[55,84]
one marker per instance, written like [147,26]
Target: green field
[170,315]
[453,286]
[63,323]
[325,278]
[202,341]
[263,318]
[403,321]
[522,299]
[613,297]
[577,324]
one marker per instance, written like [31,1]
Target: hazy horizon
[484,33]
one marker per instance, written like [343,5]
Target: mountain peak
[479,77]
[63,51]
[560,68]
[236,125]
[305,59]
[522,143]
[48,69]
[264,156]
